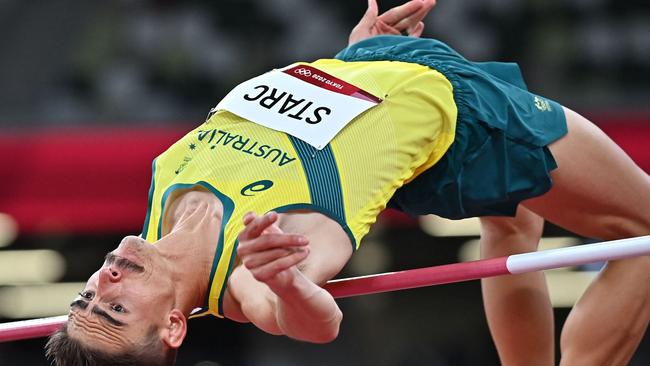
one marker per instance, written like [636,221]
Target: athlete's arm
[405,18]
[270,290]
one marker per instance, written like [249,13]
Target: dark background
[76,77]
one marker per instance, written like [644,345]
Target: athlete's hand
[404,18]
[267,252]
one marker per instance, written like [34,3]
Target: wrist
[292,285]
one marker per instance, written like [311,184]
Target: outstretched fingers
[417,30]
[265,270]
[369,18]
[384,28]
[255,225]
[259,259]
[400,13]
[266,250]
[271,241]
[407,17]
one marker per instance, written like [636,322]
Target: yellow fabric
[378,152]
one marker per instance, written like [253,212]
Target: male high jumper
[319,149]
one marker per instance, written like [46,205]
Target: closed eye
[81,304]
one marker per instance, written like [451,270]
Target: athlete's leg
[517,307]
[599,192]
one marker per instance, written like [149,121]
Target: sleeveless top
[253,168]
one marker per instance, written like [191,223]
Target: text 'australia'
[245,145]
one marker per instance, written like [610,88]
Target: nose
[110,274]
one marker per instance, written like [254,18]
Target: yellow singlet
[253,168]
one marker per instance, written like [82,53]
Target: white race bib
[300,100]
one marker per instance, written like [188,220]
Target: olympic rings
[302,71]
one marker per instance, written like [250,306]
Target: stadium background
[92,91]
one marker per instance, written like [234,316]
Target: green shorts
[499,156]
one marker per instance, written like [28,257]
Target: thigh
[598,191]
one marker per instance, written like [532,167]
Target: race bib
[300,100]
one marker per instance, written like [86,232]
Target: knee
[525,225]
[510,235]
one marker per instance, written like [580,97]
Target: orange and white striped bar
[421,277]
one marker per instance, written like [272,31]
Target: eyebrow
[123,263]
[102,313]
[79,304]
[96,310]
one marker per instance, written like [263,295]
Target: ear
[175,330]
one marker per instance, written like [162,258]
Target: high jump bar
[414,278]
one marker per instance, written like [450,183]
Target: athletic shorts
[499,156]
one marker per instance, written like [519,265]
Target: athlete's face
[131,293]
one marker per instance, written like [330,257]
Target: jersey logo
[259,186]
[186,161]
[542,104]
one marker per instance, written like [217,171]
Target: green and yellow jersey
[253,168]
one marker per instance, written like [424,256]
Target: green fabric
[323,177]
[499,156]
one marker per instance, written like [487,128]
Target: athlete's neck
[191,227]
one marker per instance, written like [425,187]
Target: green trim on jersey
[152,189]
[228,208]
[322,177]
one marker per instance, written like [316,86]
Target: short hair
[64,350]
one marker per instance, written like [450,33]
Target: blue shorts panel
[499,156]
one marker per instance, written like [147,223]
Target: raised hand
[405,18]
[267,252]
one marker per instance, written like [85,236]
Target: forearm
[305,311]
[300,309]
[273,293]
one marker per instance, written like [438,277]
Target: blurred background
[92,91]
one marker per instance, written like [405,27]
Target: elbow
[329,331]
[326,337]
